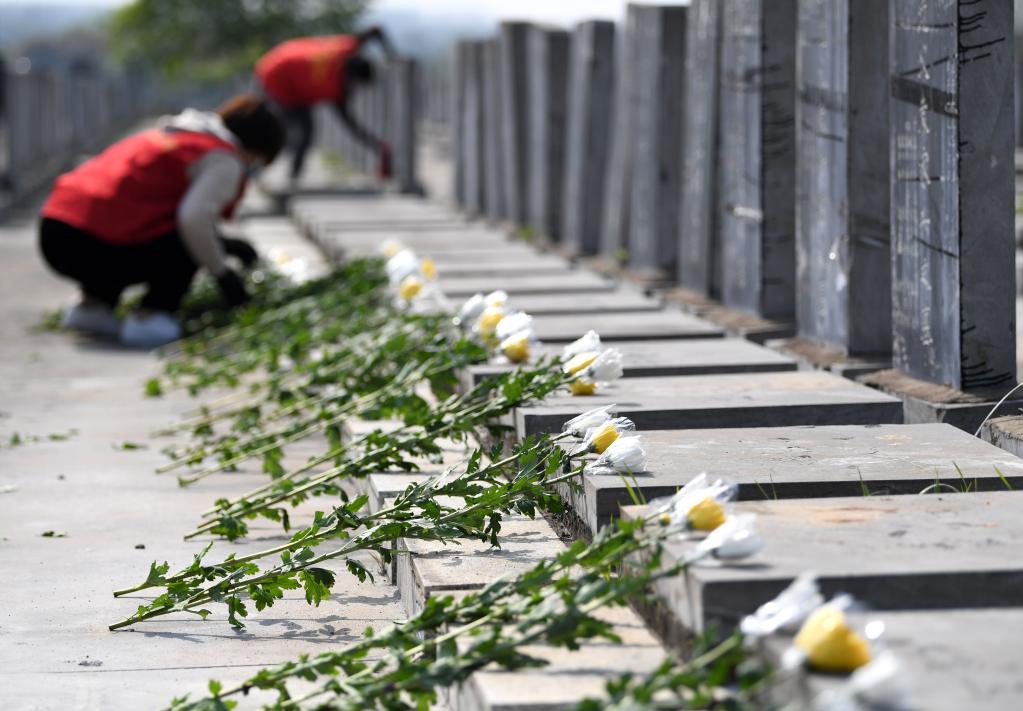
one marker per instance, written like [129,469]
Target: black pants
[104,270]
[299,122]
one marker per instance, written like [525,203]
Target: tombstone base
[814,355]
[1006,433]
[736,323]
[924,402]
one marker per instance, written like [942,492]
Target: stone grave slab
[499,264]
[890,552]
[570,675]
[649,325]
[804,463]
[432,568]
[727,400]
[608,302]
[951,659]
[571,282]
[649,358]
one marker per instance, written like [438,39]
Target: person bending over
[301,73]
[146,211]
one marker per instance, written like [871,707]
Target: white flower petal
[584,344]
[579,425]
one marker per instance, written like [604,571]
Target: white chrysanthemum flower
[401,266]
[431,300]
[735,539]
[699,505]
[516,347]
[625,456]
[787,611]
[599,438]
[606,367]
[513,323]
[391,247]
[579,425]
[496,298]
[585,344]
[470,311]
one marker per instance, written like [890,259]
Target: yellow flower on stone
[429,269]
[580,362]
[603,437]
[830,644]
[489,319]
[582,387]
[516,348]
[410,287]
[706,515]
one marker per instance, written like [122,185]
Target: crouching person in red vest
[145,211]
[301,73]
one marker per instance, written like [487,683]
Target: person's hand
[384,170]
[241,249]
[232,289]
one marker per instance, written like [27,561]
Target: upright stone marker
[457,101]
[472,129]
[493,117]
[590,105]
[699,260]
[656,169]
[952,192]
[757,177]
[842,243]
[404,82]
[548,87]
[614,235]
[515,126]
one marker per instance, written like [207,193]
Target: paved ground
[55,601]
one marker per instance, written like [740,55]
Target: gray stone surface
[609,302]
[644,325]
[573,282]
[950,659]
[891,553]
[647,358]
[493,116]
[733,400]
[843,253]
[805,463]
[548,89]
[756,181]
[456,61]
[515,122]
[472,136]
[403,79]
[433,568]
[500,264]
[590,106]
[570,675]
[614,235]
[699,247]
[656,164]
[952,193]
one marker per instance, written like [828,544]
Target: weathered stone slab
[570,675]
[500,265]
[733,400]
[548,88]
[433,568]
[805,463]
[648,358]
[699,249]
[656,164]
[757,178]
[950,659]
[952,193]
[493,116]
[843,254]
[1005,432]
[891,553]
[570,282]
[515,121]
[590,105]
[609,302]
[644,325]
[472,137]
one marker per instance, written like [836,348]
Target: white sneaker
[155,329]
[96,319]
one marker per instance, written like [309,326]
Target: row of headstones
[844,165]
[389,108]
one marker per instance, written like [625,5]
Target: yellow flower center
[391,248]
[830,644]
[664,519]
[410,286]
[706,515]
[489,319]
[582,387]
[429,269]
[517,350]
[604,437]
[580,362]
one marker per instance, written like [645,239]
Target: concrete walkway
[56,603]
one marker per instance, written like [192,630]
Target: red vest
[129,193]
[308,70]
